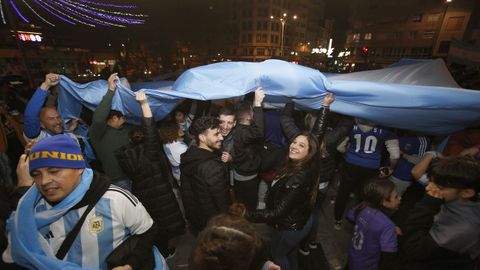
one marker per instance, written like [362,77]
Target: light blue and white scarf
[28,246]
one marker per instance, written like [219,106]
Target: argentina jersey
[365,148]
[117,215]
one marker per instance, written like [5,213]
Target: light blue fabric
[25,225]
[415,95]
[26,246]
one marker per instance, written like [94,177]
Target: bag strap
[67,243]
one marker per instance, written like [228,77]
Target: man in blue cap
[72,218]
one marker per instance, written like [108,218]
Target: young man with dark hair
[248,140]
[204,177]
[442,232]
[108,133]
[227,119]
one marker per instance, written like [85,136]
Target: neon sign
[29,36]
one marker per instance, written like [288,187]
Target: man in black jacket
[204,177]
[248,140]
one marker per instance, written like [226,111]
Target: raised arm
[152,141]
[99,120]
[32,126]
[257,107]
[321,123]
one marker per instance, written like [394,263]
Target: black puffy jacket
[145,164]
[287,203]
[205,188]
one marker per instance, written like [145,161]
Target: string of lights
[53,13]
[106,11]
[18,12]
[80,15]
[38,15]
[86,12]
[1,13]
[100,14]
[106,4]
[66,15]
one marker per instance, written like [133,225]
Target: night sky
[188,21]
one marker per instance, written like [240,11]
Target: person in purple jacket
[374,242]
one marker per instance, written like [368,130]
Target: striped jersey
[117,215]
[412,146]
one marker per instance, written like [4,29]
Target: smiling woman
[289,202]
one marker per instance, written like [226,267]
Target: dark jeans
[353,178]
[312,235]
[246,192]
[285,243]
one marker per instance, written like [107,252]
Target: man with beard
[204,176]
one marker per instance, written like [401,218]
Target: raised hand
[141,97]
[51,79]
[112,82]
[259,96]
[329,99]
[23,172]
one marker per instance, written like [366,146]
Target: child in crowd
[442,230]
[374,243]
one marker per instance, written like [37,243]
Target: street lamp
[283,20]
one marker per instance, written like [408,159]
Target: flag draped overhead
[415,95]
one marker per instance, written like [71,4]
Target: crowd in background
[215,169]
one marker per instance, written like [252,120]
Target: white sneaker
[337,225]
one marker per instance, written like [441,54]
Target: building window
[397,35]
[433,18]
[368,36]
[262,38]
[381,36]
[250,51]
[428,34]
[454,23]
[412,35]
[417,18]
[356,37]
[250,39]
[261,51]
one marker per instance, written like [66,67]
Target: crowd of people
[100,193]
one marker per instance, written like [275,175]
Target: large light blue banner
[415,95]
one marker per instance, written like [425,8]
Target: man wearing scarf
[50,209]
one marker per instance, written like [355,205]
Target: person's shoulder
[379,218]
[118,194]
[300,178]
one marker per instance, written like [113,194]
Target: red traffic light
[365,49]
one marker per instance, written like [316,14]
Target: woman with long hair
[290,200]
